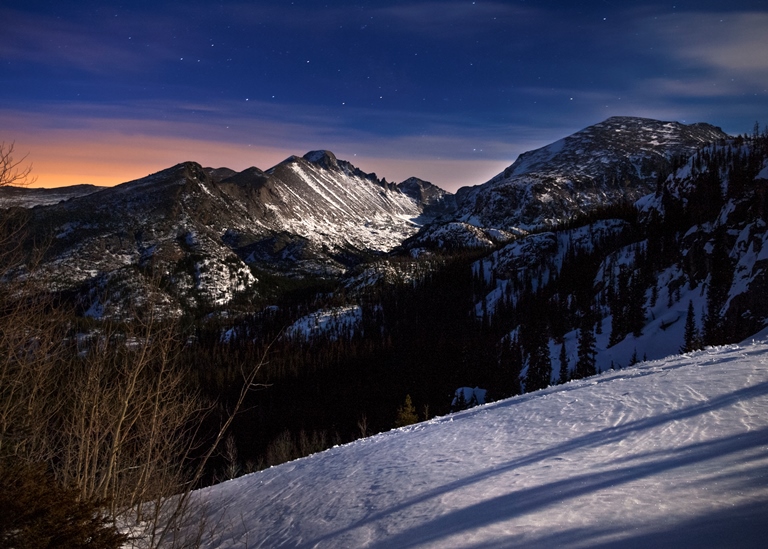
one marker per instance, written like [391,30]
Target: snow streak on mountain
[327,202]
[671,453]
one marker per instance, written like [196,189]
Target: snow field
[671,453]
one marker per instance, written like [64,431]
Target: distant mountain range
[26,197]
[207,233]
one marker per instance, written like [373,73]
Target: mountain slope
[617,160]
[667,453]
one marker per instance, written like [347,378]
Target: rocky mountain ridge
[200,232]
[683,267]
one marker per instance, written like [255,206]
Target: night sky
[449,91]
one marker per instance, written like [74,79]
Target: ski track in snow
[671,453]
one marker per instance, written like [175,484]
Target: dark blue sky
[450,91]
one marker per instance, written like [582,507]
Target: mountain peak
[249,176]
[422,191]
[616,139]
[219,174]
[640,124]
[618,159]
[323,158]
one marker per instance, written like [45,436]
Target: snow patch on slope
[327,322]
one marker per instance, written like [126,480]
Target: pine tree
[720,279]
[37,511]
[406,414]
[563,365]
[691,340]
[636,306]
[619,304]
[585,365]
[511,362]
[539,372]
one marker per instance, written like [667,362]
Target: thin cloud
[58,43]
[729,50]
[730,41]
[421,17]
[711,87]
[105,44]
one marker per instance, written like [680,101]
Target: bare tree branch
[13,171]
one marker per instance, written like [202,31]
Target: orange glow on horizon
[116,159]
[52,174]
[64,157]
[71,150]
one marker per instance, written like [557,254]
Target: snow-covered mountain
[671,453]
[618,160]
[330,203]
[199,231]
[451,235]
[204,234]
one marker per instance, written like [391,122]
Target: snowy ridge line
[629,458]
[300,218]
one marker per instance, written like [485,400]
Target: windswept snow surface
[670,453]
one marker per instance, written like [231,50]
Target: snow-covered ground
[671,453]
